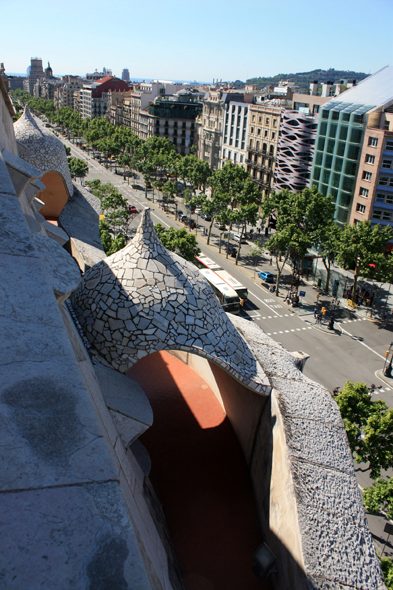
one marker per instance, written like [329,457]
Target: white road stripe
[160,220]
[362,343]
[261,300]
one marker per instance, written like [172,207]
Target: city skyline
[200,41]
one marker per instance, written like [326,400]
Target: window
[273,134]
[367,175]
[389,144]
[360,208]
[259,131]
[370,159]
[274,122]
[253,118]
[224,153]
[373,141]
[385,181]
[386,215]
[267,120]
[235,157]
[383,198]
[387,163]
[363,192]
[377,214]
[252,129]
[250,143]
[241,159]
[257,146]
[260,119]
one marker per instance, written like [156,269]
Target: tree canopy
[178,241]
[369,427]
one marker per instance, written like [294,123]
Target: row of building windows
[384,215]
[258,132]
[383,180]
[267,120]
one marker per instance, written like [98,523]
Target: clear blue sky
[198,39]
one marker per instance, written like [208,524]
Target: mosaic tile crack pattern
[41,148]
[144,299]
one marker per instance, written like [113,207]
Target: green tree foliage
[380,497]
[300,219]
[387,570]
[110,245]
[178,241]
[363,247]
[369,427]
[78,167]
[38,105]
[303,79]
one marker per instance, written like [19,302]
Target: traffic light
[323,310]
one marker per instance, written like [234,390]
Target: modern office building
[353,150]
[36,72]
[125,75]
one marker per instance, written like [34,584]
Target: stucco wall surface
[314,506]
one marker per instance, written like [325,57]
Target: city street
[353,351]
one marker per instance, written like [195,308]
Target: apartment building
[263,134]
[234,141]
[133,111]
[353,150]
[210,125]
[174,117]
[64,95]
[94,98]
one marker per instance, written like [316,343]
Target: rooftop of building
[376,90]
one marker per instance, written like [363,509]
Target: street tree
[290,243]
[307,213]
[78,167]
[379,497]
[178,241]
[328,244]
[361,246]
[369,427]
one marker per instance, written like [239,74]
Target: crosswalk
[258,316]
[288,331]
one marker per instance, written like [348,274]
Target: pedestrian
[315,312]
[259,230]
[271,261]
[266,231]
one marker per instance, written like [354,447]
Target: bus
[227,297]
[203,261]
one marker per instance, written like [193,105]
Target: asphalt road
[355,351]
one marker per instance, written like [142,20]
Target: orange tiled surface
[200,476]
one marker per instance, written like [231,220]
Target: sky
[197,39]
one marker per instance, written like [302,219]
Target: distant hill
[303,79]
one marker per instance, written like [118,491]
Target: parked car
[132,209]
[205,216]
[237,238]
[184,219]
[266,276]
[199,212]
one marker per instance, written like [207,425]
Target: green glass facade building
[337,152]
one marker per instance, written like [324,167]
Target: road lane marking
[159,219]
[261,300]
[362,343]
